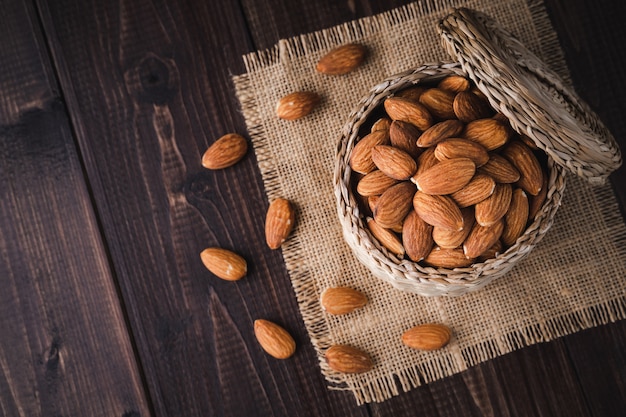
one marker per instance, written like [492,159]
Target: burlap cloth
[573,280]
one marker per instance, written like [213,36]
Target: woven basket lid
[536,100]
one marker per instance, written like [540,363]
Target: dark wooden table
[105,309]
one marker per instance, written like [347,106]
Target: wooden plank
[65,348]
[148,87]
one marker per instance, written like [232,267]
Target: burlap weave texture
[572,281]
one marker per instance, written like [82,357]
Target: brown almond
[409,111]
[469,107]
[412,93]
[430,336]
[482,238]
[480,187]
[417,237]
[386,237]
[528,142]
[279,222]
[454,84]
[348,359]
[440,131]
[494,207]
[438,210]
[342,300]
[536,201]
[404,136]
[394,204]
[361,156]
[446,177]
[500,169]
[372,201]
[439,102]
[495,250]
[523,158]
[394,162]
[274,339]
[225,152]
[297,105]
[447,258]
[461,148]
[342,59]
[223,263]
[425,161]
[450,239]
[375,183]
[384,123]
[476,90]
[490,133]
[515,218]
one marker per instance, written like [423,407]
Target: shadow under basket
[568,132]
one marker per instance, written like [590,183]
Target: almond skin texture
[447,258]
[494,207]
[342,60]
[404,136]
[450,239]
[279,222]
[438,210]
[425,161]
[490,133]
[274,340]
[386,237]
[409,111]
[375,183]
[431,336]
[349,360]
[226,264]
[454,84]
[492,252]
[469,107]
[446,177]
[515,218]
[536,201]
[394,204]
[481,238]
[412,93]
[439,102]
[440,131]
[480,187]
[297,105]
[383,123]
[417,237]
[500,169]
[394,162]
[461,148]
[361,156]
[523,158]
[342,300]
[225,152]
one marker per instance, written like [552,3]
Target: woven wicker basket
[536,102]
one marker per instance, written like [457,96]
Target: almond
[515,218]
[536,201]
[297,105]
[386,237]
[528,142]
[469,107]
[409,111]
[430,336]
[348,359]
[225,152]
[342,300]
[495,250]
[439,102]
[490,133]
[439,132]
[438,210]
[412,93]
[404,136]
[375,183]
[461,148]
[274,340]
[361,156]
[225,264]
[381,124]
[447,258]
[500,169]
[342,60]
[450,239]
[425,161]
[372,201]
[523,158]
[494,207]
[482,238]
[417,237]
[394,204]
[446,177]
[454,84]
[394,162]
[480,187]
[279,222]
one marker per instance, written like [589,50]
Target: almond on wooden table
[225,152]
[342,59]
[342,300]
[429,336]
[348,359]
[274,339]
[297,105]
[279,222]
[224,263]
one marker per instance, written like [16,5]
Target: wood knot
[153,80]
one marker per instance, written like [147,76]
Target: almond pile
[443,180]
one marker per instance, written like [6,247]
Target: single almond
[452,148]
[225,152]
[430,336]
[495,250]
[372,201]
[438,210]
[447,258]
[417,237]
[450,239]
[481,238]
[279,222]
[342,300]
[297,105]
[394,204]
[394,162]
[412,93]
[439,102]
[446,177]
[469,107]
[454,84]
[500,169]
[404,136]
[490,133]
[480,187]
[425,161]
[536,201]
[384,123]
[375,183]
[342,59]
[515,218]
[225,264]
[348,359]
[361,156]
[523,158]
[409,111]
[494,207]
[274,339]
[440,131]
[386,237]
